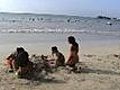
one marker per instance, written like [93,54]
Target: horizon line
[33,13]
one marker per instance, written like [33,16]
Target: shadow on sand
[99,71]
[37,82]
[54,81]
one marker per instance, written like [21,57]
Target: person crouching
[58,56]
[24,65]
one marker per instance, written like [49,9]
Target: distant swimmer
[77,20]
[33,19]
[29,19]
[68,20]
[13,21]
[109,23]
[41,18]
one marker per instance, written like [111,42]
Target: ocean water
[33,23]
[38,33]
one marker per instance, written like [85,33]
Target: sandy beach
[99,50]
[102,72]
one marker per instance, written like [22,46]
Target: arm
[70,55]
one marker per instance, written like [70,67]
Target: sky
[67,7]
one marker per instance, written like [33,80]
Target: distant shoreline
[38,14]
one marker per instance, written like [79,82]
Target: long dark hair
[20,49]
[71,39]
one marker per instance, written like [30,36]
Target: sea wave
[47,30]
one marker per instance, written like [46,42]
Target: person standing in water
[73,55]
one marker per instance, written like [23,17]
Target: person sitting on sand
[58,56]
[55,60]
[24,65]
[73,56]
[11,61]
[18,61]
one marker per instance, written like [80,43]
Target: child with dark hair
[19,61]
[24,65]
[58,56]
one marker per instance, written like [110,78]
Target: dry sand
[102,73]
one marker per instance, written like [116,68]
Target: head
[20,49]
[71,39]
[54,49]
